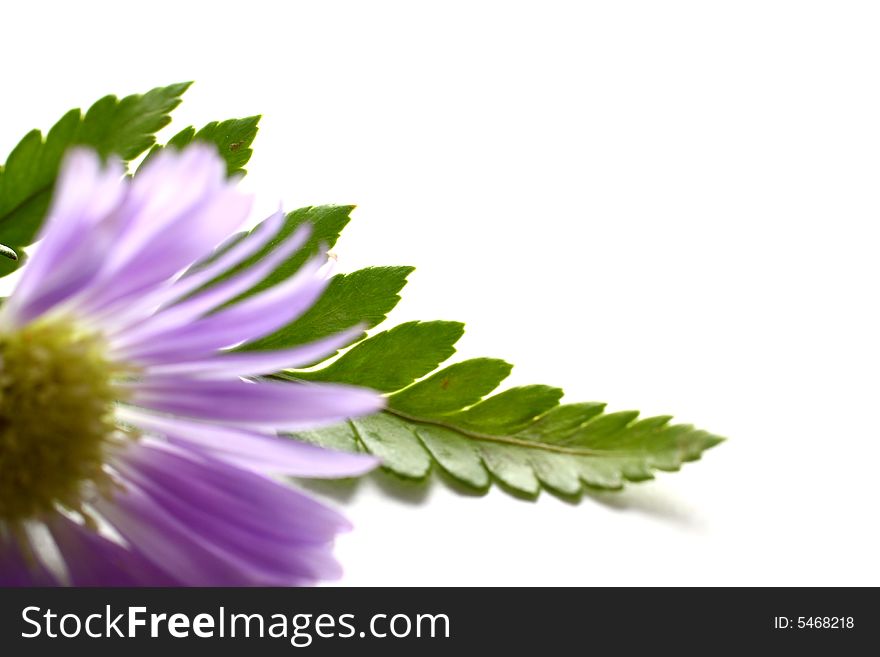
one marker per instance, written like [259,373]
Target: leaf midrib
[507,440]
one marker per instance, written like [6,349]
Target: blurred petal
[280,405]
[93,560]
[245,321]
[252,363]
[118,318]
[220,523]
[183,313]
[66,260]
[177,210]
[20,569]
[257,451]
[236,254]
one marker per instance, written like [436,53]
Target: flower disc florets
[56,403]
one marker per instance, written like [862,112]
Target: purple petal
[284,406]
[185,312]
[21,569]
[177,209]
[172,186]
[167,540]
[219,524]
[253,363]
[253,450]
[64,263]
[245,321]
[118,319]
[93,560]
[269,557]
[236,254]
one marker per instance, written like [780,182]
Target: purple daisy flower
[136,448]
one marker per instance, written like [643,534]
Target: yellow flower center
[56,417]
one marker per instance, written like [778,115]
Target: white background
[666,206]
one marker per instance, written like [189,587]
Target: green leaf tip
[525,462]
